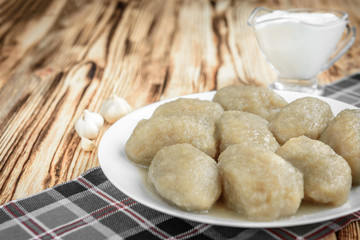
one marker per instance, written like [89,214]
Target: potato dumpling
[150,135]
[259,183]
[327,176]
[192,106]
[186,177]
[258,100]
[343,135]
[305,116]
[238,127]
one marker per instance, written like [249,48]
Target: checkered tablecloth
[90,207]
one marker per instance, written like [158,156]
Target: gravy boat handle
[343,46]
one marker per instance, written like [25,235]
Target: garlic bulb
[87,144]
[113,108]
[89,124]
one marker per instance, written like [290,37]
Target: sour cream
[298,44]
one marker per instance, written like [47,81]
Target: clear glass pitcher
[301,43]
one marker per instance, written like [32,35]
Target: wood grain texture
[60,57]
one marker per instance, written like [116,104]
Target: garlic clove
[87,144]
[86,129]
[114,108]
[95,117]
[87,125]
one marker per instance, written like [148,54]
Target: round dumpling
[186,177]
[150,135]
[327,176]
[343,135]
[192,106]
[238,127]
[305,116]
[258,100]
[259,183]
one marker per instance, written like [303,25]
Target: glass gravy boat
[299,49]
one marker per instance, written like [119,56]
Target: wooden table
[60,57]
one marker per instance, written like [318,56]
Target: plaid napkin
[90,207]
[346,90]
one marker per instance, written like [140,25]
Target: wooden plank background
[60,57]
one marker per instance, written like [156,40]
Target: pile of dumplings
[250,148]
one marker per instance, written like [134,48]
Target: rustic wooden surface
[59,57]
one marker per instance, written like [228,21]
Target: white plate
[131,180]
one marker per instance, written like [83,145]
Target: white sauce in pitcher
[298,44]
